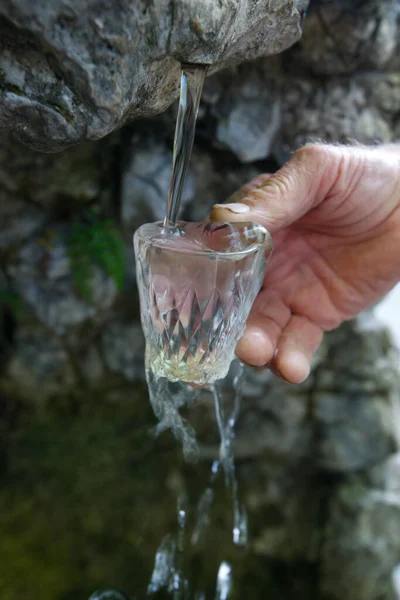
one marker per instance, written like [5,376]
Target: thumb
[280,199]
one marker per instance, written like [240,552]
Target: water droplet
[163,571]
[240,528]
[108,595]
[224,581]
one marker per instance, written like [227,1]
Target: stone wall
[317,462]
[73,70]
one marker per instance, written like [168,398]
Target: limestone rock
[147,171]
[352,404]
[360,436]
[361,359]
[214,182]
[57,183]
[315,462]
[249,115]
[18,220]
[274,423]
[361,108]
[340,37]
[44,279]
[286,503]
[71,71]
[90,365]
[362,538]
[123,349]
[39,366]
[145,183]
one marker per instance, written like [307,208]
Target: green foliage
[96,243]
[10,300]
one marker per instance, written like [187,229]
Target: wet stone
[352,400]
[341,37]
[248,116]
[360,436]
[361,548]
[285,503]
[274,424]
[361,359]
[387,474]
[342,110]
[213,183]
[145,183]
[53,182]
[43,278]
[91,366]
[123,349]
[39,366]
[18,220]
[70,75]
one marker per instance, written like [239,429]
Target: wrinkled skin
[333,212]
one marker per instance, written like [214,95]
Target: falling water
[168,563]
[169,573]
[224,581]
[108,595]
[168,398]
[192,80]
[226,427]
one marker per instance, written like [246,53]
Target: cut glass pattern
[197,283]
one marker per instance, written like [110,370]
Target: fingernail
[300,366]
[235,207]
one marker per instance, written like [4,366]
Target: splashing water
[108,595]
[168,572]
[203,515]
[168,569]
[224,581]
[167,398]
[226,459]
[163,572]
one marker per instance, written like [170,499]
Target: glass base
[188,371]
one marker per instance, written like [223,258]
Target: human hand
[334,216]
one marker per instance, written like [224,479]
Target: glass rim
[267,244]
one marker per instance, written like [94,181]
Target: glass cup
[197,283]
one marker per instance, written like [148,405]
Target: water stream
[169,573]
[192,80]
[168,398]
[226,461]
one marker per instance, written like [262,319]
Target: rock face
[351,35]
[43,278]
[318,463]
[71,71]
[249,115]
[361,108]
[363,536]
[145,183]
[40,361]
